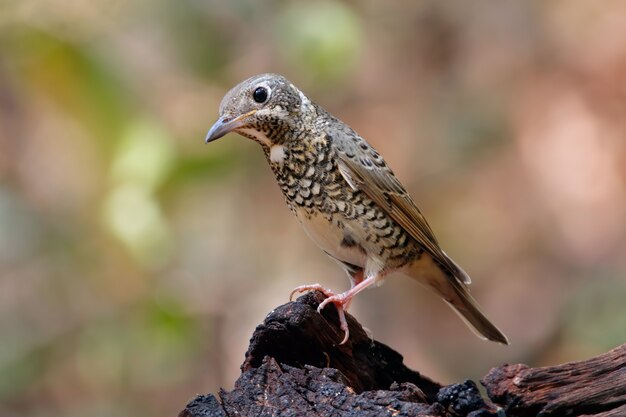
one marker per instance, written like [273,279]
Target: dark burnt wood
[295,367]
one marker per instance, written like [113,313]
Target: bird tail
[455,292]
[467,308]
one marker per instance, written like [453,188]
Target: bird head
[263,108]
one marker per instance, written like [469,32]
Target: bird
[345,196]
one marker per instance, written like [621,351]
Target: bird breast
[332,236]
[342,221]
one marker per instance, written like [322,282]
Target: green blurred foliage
[323,36]
[70,74]
[135,261]
[141,163]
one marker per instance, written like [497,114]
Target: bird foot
[341,302]
[311,287]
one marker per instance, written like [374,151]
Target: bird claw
[311,287]
[336,299]
[341,303]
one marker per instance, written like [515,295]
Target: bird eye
[260,95]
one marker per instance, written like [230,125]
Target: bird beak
[225,125]
[222,126]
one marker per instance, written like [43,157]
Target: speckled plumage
[344,194]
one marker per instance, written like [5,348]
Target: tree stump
[295,367]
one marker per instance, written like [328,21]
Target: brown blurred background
[135,261]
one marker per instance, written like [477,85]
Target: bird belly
[331,238]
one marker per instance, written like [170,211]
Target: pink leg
[342,301]
[343,324]
[355,279]
[311,287]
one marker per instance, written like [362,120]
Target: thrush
[348,200]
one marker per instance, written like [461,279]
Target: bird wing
[364,169]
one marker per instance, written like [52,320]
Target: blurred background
[135,262]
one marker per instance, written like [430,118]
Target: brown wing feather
[364,168]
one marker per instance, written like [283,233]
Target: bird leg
[311,287]
[341,301]
[343,324]
[355,279]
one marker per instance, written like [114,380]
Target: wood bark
[294,367]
